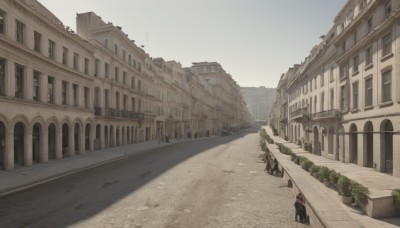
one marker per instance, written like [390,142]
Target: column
[59,143]
[81,139]
[28,148]
[71,141]
[9,151]
[102,137]
[10,79]
[28,83]
[44,146]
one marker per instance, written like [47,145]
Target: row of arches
[23,144]
[368,137]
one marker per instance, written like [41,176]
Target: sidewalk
[325,202]
[28,176]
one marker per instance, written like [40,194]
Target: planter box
[347,200]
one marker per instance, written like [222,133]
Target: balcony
[137,115]
[109,112]
[300,115]
[333,114]
[97,112]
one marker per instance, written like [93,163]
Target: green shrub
[324,173]
[396,197]
[306,165]
[344,185]
[333,176]
[302,159]
[358,191]
[314,169]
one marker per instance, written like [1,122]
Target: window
[368,56]
[37,39]
[322,101]
[86,66]
[355,64]
[116,49]
[51,49]
[106,43]
[129,59]
[139,85]
[322,79]
[125,102]
[36,86]
[117,100]
[116,74]
[355,37]
[133,104]
[123,55]
[2,21]
[344,70]
[387,86]
[86,97]
[76,61]
[96,67]
[369,25]
[387,44]
[343,46]
[124,77]
[50,90]
[355,95]
[19,81]
[106,70]
[133,82]
[331,77]
[343,98]
[315,104]
[332,98]
[139,67]
[64,92]
[310,85]
[65,56]
[2,77]
[75,93]
[140,105]
[368,92]
[19,32]
[134,64]
[388,9]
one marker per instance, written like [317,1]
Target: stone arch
[353,144]
[386,129]
[55,121]
[21,119]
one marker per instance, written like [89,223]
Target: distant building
[259,100]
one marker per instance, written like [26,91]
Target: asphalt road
[217,182]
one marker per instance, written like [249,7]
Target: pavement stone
[24,177]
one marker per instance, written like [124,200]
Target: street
[217,182]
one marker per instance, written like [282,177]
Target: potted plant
[396,198]
[344,188]
[359,192]
[324,176]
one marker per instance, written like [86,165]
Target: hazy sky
[254,40]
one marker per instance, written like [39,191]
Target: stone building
[344,98]
[228,99]
[259,100]
[64,93]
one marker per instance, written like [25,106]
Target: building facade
[64,93]
[259,101]
[343,100]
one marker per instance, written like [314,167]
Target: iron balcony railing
[330,114]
